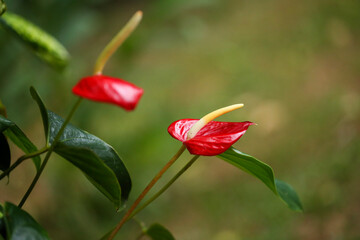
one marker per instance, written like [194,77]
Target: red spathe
[110,90]
[213,139]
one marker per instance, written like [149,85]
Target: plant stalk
[21,159]
[48,154]
[164,188]
[145,191]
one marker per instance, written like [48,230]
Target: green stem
[122,35]
[145,191]
[36,178]
[21,159]
[48,154]
[164,188]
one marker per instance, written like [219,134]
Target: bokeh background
[294,64]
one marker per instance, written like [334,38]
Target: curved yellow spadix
[209,117]
[115,43]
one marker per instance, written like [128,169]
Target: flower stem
[48,154]
[145,191]
[116,42]
[164,188]
[21,159]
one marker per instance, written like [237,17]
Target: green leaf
[94,169]
[20,225]
[4,145]
[43,112]
[14,133]
[264,173]
[2,7]
[288,195]
[251,165]
[45,46]
[5,153]
[158,232]
[97,159]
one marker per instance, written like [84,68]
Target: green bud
[2,7]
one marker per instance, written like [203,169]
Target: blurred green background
[294,64]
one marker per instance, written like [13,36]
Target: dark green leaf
[250,165]
[264,173]
[97,159]
[14,133]
[5,153]
[20,225]
[158,232]
[288,195]
[44,45]
[94,169]
[43,111]
[2,7]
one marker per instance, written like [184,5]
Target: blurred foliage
[2,7]
[44,46]
[295,66]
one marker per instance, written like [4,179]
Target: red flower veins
[213,139]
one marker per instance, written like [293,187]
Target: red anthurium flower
[108,89]
[212,137]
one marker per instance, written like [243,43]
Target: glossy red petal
[180,128]
[213,139]
[110,90]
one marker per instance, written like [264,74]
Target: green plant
[97,159]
